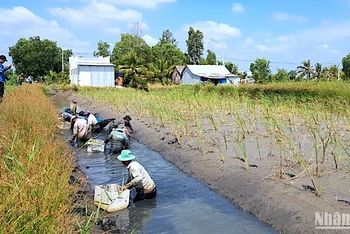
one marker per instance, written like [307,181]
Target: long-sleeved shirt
[3,70]
[139,177]
[80,128]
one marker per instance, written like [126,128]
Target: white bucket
[110,197]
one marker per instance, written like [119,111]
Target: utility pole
[62,62]
[222,56]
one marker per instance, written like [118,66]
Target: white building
[96,72]
[217,74]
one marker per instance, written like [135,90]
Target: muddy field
[288,204]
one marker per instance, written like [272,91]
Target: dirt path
[283,204]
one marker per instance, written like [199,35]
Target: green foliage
[167,38]
[61,78]
[233,68]
[103,49]
[195,46]
[12,77]
[211,57]
[261,70]
[346,66]
[128,43]
[36,57]
[281,75]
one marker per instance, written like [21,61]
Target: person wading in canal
[80,129]
[119,140]
[125,122]
[138,177]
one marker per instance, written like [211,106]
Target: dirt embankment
[282,203]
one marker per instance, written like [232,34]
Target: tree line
[142,64]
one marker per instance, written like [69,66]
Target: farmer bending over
[92,122]
[80,129]
[119,140]
[138,177]
[125,122]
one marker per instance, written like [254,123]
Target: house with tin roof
[216,74]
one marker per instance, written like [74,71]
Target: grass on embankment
[35,166]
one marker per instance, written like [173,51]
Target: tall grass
[35,166]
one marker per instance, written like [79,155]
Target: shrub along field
[35,165]
[288,127]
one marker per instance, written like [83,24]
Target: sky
[285,32]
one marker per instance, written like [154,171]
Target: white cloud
[288,17]
[323,46]
[20,22]
[285,39]
[217,31]
[249,41]
[150,4]
[237,7]
[278,48]
[151,41]
[325,33]
[96,14]
[113,31]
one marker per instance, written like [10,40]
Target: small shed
[216,74]
[96,72]
[176,75]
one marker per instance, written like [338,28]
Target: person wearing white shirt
[92,122]
[138,177]
[80,129]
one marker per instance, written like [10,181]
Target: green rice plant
[253,121]
[241,137]
[310,124]
[224,136]
[280,137]
[201,134]
[309,172]
[213,122]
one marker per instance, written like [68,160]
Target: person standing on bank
[138,177]
[3,77]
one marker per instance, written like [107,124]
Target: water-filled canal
[183,204]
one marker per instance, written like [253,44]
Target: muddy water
[183,204]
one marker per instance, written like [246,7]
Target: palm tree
[161,70]
[305,70]
[134,70]
[318,70]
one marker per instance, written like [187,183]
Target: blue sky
[286,32]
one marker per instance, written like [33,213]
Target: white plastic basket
[110,197]
[96,145]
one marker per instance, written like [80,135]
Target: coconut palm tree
[161,70]
[133,70]
[305,70]
[318,70]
